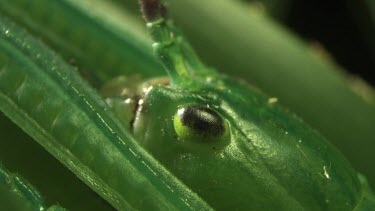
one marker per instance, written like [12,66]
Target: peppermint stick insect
[104,41]
[227,141]
[186,131]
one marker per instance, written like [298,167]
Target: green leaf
[54,105]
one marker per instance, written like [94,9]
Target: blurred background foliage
[344,31]
[344,28]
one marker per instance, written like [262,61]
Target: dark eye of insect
[199,124]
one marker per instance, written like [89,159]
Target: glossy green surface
[272,160]
[91,34]
[51,102]
[87,37]
[44,171]
[252,47]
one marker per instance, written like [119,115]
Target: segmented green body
[272,159]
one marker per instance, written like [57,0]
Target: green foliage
[103,42]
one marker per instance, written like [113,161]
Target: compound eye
[201,125]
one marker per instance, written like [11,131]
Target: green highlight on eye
[201,128]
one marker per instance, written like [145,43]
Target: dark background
[343,28]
